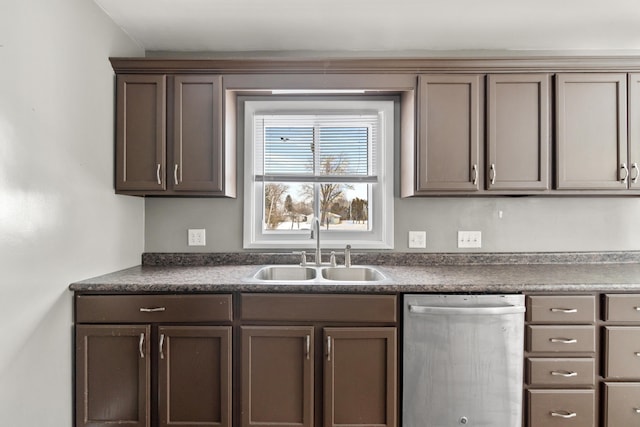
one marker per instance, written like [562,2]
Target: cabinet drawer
[566,339]
[319,308]
[561,309]
[622,352]
[622,308]
[622,407]
[561,371]
[560,408]
[153,308]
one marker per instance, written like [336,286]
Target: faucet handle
[303,257]
[347,256]
[332,259]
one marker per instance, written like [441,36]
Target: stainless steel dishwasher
[463,360]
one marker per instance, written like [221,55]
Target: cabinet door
[622,352]
[360,372]
[634,130]
[140,132]
[518,132]
[112,375]
[197,134]
[592,131]
[277,376]
[622,404]
[448,149]
[195,376]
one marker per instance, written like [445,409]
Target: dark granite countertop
[500,273]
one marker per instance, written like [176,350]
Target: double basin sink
[318,274]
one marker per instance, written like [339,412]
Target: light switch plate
[469,239]
[417,239]
[197,237]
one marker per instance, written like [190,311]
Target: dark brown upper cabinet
[634,131]
[518,115]
[449,133]
[591,132]
[141,133]
[170,136]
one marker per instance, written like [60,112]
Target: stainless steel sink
[285,272]
[352,274]
[317,274]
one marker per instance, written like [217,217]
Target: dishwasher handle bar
[468,310]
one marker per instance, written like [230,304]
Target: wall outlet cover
[469,239]
[197,237]
[417,239]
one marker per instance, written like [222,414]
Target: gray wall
[527,224]
[59,218]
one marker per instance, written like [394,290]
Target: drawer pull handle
[563,414]
[563,340]
[637,353]
[566,374]
[637,410]
[564,310]
[637,308]
[152,310]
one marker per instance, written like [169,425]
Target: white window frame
[380,235]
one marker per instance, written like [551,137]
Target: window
[309,158]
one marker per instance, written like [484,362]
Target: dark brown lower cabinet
[359,376]
[622,408]
[114,375]
[277,376]
[558,408]
[195,376]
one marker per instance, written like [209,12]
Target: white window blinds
[316,147]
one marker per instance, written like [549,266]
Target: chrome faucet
[316,230]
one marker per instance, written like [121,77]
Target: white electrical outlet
[469,239]
[417,239]
[197,237]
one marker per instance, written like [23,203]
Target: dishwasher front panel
[463,360]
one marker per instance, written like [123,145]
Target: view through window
[323,163]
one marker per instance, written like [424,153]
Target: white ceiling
[378,25]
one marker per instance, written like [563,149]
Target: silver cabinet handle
[637,353]
[563,340]
[634,176]
[308,347]
[152,310]
[141,346]
[637,308]
[161,346]
[175,174]
[328,349]
[564,310]
[474,174]
[563,414]
[623,167]
[492,173]
[637,410]
[566,374]
[158,175]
